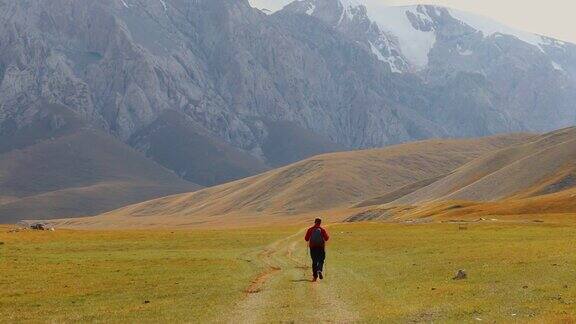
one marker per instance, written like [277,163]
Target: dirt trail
[283,290]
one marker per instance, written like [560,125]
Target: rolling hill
[59,166]
[550,207]
[315,185]
[530,180]
[519,171]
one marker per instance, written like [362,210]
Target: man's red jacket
[309,233]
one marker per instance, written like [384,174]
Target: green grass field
[107,276]
[375,273]
[404,273]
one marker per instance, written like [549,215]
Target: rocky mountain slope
[483,77]
[216,90]
[358,77]
[187,148]
[315,185]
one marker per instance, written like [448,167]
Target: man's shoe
[320,275]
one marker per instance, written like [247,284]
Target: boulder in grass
[460,275]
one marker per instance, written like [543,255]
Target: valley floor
[375,272]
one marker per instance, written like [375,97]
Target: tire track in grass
[256,299]
[282,266]
[329,306]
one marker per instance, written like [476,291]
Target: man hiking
[316,237]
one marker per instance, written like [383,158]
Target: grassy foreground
[516,273]
[109,276]
[378,272]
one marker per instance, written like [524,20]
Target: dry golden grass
[150,276]
[532,168]
[299,191]
[535,181]
[517,273]
[83,173]
[375,273]
[557,207]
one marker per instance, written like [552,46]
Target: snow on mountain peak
[350,3]
[414,27]
[311,8]
[414,43]
[491,27]
[347,7]
[130,3]
[269,6]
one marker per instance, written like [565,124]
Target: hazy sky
[555,18]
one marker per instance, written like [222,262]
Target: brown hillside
[556,206]
[321,183]
[520,171]
[60,167]
[535,180]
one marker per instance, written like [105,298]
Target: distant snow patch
[464,52]
[557,66]
[382,58]
[414,44]
[269,6]
[347,6]
[350,3]
[377,52]
[490,27]
[547,41]
[311,9]
[422,16]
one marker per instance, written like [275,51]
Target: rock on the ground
[461,275]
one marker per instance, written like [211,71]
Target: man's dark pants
[318,255]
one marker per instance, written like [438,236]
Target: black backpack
[316,238]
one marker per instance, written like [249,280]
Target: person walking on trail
[317,237]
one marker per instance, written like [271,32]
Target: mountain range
[205,92]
